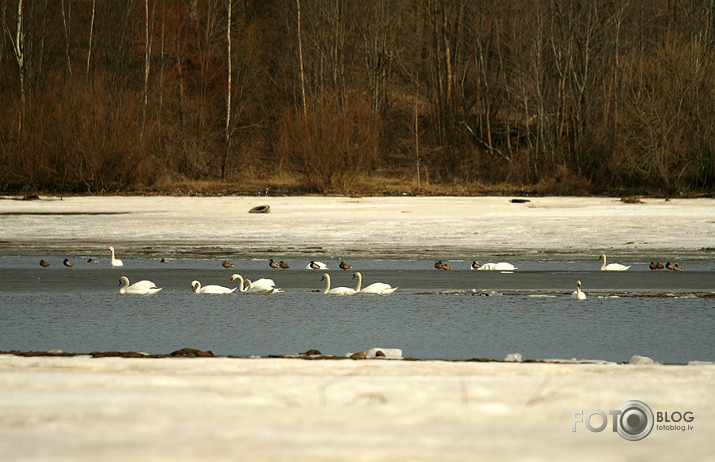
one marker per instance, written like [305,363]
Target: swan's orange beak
[230,280]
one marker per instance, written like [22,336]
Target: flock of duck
[268,286]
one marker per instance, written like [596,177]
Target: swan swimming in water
[612,266]
[141,287]
[577,294]
[115,261]
[261,286]
[501,266]
[379,288]
[210,289]
[337,290]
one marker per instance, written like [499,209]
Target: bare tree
[18,45]
[300,54]
[89,47]
[228,90]
[66,21]
[147,64]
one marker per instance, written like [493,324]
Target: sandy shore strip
[388,227]
[181,409]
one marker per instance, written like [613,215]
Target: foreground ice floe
[116,409]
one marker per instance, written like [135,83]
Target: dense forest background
[558,96]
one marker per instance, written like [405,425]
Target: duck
[612,266]
[44,264]
[115,261]
[316,265]
[475,266]
[446,267]
[577,294]
[226,264]
[68,263]
[92,260]
[653,266]
[164,260]
[673,267]
[139,288]
[210,289]
[336,290]
[344,266]
[273,264]
[659,265]
[283,265]
[379,288]
[261,286]
[439,265]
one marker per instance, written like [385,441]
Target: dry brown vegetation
[355,97]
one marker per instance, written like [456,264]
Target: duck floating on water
[316,265]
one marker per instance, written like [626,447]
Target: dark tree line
[570,95]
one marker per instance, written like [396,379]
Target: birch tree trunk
[18,45]
[228,93]
[2,25]
[300,54]
[147,63]
[67,33]
[89,49]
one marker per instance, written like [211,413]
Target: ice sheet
[398,227]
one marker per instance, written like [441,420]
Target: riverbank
[115,409]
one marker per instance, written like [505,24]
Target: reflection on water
[427,326]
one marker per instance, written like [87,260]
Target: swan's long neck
[327,283]
[249,284]
[197,287]
[240,278]
[126,284]
[359,286]
[112,250]
[603,266]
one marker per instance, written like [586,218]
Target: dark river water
[433,315]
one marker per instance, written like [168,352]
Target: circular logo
[635,421]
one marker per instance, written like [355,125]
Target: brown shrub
[563,182]
[330,145]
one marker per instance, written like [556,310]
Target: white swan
[337,290]
[379,288]
[115,262]
[612,266]
[577,294]
[141,287]
[261,286]
[210,289]
[501,266]
[316,265]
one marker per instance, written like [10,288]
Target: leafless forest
[559,96]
